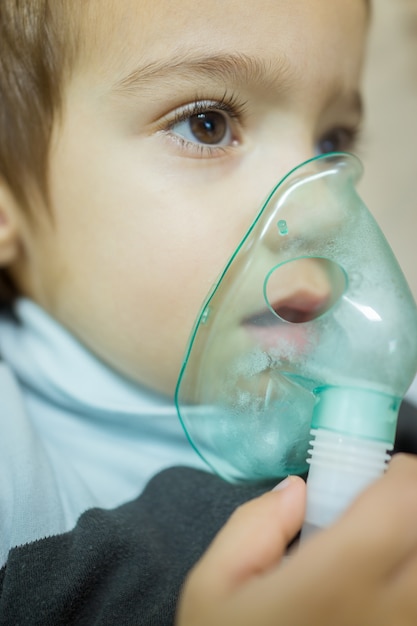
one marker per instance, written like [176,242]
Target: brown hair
[33,62]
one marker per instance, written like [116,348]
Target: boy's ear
[9,230]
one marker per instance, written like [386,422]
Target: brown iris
[209,128]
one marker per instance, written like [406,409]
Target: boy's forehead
[115,34]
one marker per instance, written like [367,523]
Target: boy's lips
[302,305]
[283,323]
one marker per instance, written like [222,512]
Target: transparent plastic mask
[312,299]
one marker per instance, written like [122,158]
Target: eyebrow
[226,68]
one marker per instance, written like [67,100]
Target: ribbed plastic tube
[341,467]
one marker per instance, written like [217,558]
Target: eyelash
[229,104]
[235,109]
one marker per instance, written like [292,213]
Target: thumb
[255,537]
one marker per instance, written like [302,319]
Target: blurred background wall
[389,146]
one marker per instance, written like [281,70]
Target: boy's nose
[303,289]
[304,212]
[268,165]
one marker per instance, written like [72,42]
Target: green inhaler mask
[311,330]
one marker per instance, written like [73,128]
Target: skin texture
[360,572]
[143,212]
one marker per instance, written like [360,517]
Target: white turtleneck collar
[102,434]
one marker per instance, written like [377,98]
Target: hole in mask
[304,289]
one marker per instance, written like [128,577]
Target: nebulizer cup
[310,329]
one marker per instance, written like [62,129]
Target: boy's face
[177,121]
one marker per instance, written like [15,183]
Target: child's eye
[206,127]
[338,140]
[211,128]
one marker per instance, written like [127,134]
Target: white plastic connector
[341,467]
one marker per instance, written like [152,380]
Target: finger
[255,537]
[381,524]
[401,587]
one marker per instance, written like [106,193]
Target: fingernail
[283,484]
